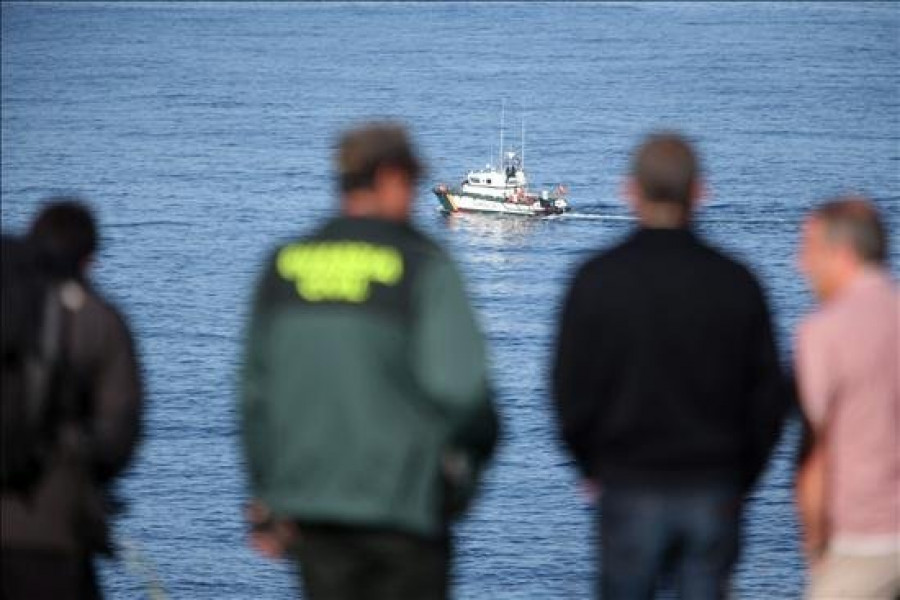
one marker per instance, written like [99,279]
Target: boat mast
[523,142]
[502,119]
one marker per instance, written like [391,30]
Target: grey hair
[855,221]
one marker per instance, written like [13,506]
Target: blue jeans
[691,533]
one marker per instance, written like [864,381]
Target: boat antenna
[502,118]
[523,141]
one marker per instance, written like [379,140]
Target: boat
[502,189]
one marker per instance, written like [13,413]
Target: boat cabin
[493,181]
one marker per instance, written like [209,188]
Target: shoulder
[595,276]
[405,238]
[601,267]
[608,263]
[606,258]
[729,273]
[98,327]
[426,257]
[814,331]
[725,262]
[88,303]
[415,242]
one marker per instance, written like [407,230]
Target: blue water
[203,134]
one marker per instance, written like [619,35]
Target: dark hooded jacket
[65,510]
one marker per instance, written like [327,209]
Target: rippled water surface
[203,133]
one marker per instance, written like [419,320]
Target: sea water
[203,134]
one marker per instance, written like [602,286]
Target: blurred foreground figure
[366,408]
[848,365]
[668,388]
[71,408]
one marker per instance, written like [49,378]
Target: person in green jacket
[367,414]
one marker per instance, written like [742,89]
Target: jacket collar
[664,236]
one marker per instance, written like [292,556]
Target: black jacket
[65,511]
[666,369]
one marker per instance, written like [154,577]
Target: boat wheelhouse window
[475,180]
[488,181]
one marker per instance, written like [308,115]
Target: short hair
[64,235]
[855,221]
[364,150]
[666,168]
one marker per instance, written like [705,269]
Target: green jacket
[365,397]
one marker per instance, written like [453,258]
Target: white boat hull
[454,201]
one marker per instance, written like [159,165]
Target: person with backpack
[72,400]
[367,414]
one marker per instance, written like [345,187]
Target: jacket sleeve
[252,381]
[769,393]
[118,401]
[574,400]
[449,361]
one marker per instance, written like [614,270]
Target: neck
[349,210]
[845,278]
[361,204]
[663,215]
[366,206]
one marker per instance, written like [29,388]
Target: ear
[700,194]
[848,257]
[631,192]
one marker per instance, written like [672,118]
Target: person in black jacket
[53,524]
[667,387]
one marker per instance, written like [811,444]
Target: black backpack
[34,324]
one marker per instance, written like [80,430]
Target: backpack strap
[41,369]
[53,389]
[33,410]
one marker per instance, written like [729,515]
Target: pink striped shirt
[848,365]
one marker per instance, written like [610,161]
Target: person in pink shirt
[848,369]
